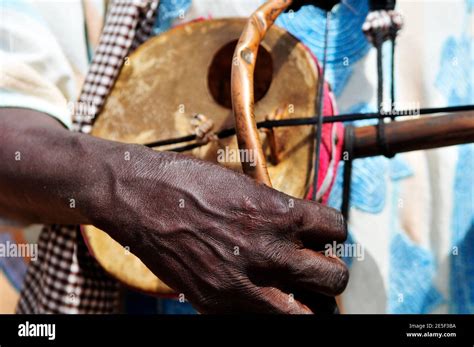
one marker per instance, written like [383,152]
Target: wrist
[99,164]
[127,177]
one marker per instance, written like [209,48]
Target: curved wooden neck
[242,78]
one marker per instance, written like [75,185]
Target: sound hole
[218,78]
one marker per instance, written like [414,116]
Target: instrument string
[393,37]
[327,302]
[347,157]
[350,117]
[381,138]
[319,115]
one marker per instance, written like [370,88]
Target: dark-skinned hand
[227,243]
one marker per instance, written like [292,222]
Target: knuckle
[342,226]
[282,205]
[275,253]
[279,211]
[337,223]
[302,216]
[341,278]
[220,294]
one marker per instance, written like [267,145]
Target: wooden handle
[243,66]
[411,135]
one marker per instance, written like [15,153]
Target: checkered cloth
[129,23]
[65,278]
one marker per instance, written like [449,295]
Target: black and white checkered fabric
[128,24]
[65,278]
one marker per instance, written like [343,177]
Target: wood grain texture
[425,132]
[243,68]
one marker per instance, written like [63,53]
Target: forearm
[51,175]
[180,216]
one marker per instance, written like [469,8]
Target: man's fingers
[315,223]
[251,298]
[317,303]
[279,302]
[314,272]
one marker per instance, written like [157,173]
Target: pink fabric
[327,150]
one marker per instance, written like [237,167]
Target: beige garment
[43,60]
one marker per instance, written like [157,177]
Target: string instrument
[185,73]
[202,79]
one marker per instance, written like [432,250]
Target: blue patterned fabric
[368,187]
[455,80]
[346,46]
[14,268]
[462,256]
[168,11]
[412,267]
